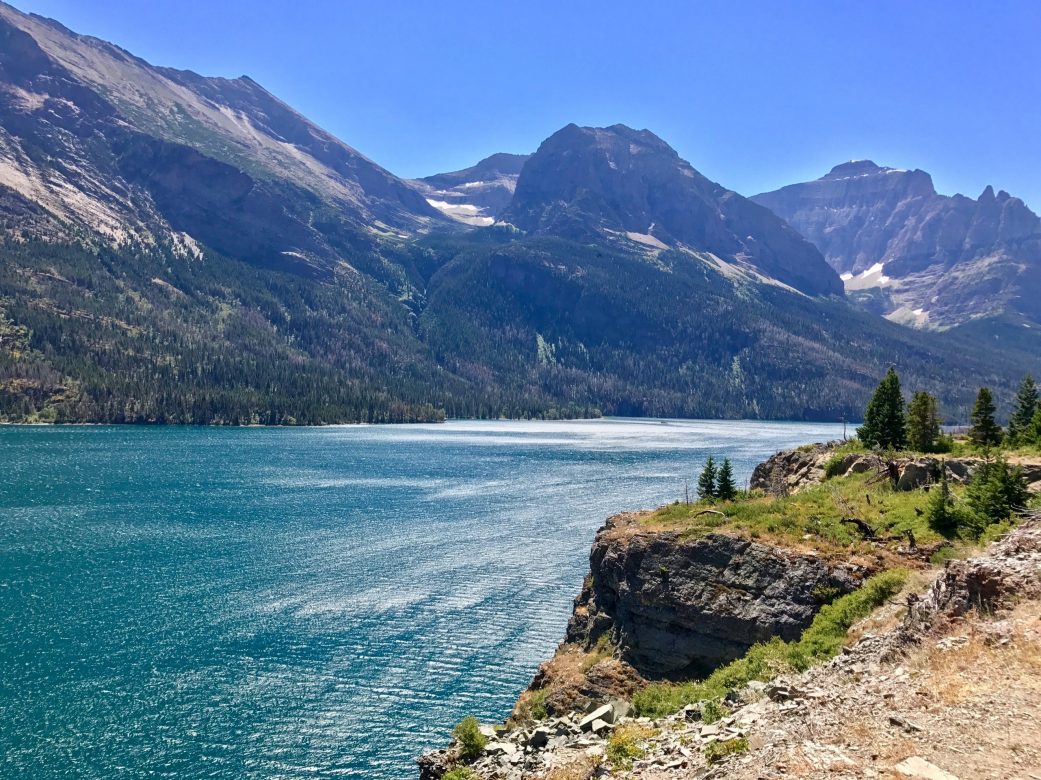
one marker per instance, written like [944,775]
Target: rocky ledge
[791,471]
[673,606]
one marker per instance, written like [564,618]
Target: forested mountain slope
[182,249]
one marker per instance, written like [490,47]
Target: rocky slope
[106,144]
[478,194]
[937,686]
[913,254]
[616,183]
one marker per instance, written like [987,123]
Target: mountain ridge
[181,249]
[913,254]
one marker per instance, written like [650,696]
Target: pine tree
[996,492]
[985,431]
[725,487]
[884,425]
[707,480]
[1034,432]
[941,513]
[923,422]
[1023,416]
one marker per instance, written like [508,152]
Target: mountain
[181,249]
[615,183]
[106,144]
[474,195]
[914,255]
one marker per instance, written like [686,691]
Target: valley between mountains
[183,249]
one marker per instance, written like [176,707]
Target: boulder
[539,737]
[500,749]
[600,713]
[915,474]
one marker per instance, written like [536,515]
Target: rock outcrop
[791,471]
[675,606]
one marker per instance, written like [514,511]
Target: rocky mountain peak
[620,184]
[853,168]
[913,254]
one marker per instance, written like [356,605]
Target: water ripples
[302,603]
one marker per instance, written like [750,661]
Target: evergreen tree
[1023,416]
[997,491]
[1034,432]
[725,487]
[884,425]
[941,514]
[985,431]
[923,422]
[707,480]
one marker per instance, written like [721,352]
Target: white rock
[920,769]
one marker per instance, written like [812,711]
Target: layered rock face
[616,183]
[918,256]
[677,606]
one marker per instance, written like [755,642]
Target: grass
[821,641]
[535,705]
[961,448]
[459,773]
[817,511]
[718,750]
[624,745]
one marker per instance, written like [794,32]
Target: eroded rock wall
[679,606]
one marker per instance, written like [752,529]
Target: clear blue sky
[754,94]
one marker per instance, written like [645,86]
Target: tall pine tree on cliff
[884,426]
[707,480]
[923,422]
[1023,416]
[985,431]
[725,487]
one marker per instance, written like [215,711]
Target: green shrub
[459,773]
[997,492]
[995,531]
[623,745]
[468,732]
[713,711]
[718,750]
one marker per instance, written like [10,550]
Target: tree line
[888,426]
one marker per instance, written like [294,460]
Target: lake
[303,603]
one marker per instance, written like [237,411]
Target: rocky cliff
[675,606]
[918,256]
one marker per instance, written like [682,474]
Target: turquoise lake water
[303,603]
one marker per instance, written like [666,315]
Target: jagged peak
[854,168]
